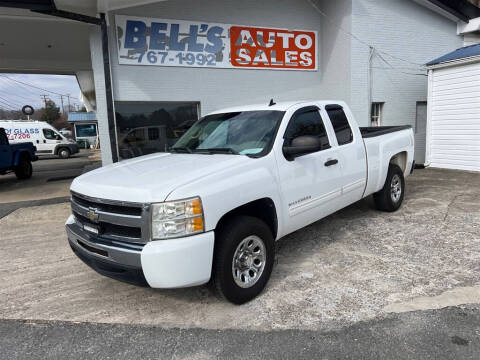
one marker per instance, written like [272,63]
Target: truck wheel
[64,153]
[24,168]
[243,259]
[390,198]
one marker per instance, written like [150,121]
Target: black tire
[64,153]
[387,199]
[228,237]
[24,168]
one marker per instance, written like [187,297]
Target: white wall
[101,98]
[402,28]
[405,30]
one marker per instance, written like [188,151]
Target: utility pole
[68,98]
[45,99]
[63,109]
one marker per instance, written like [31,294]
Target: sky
[14,95]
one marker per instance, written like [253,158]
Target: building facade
[369,52]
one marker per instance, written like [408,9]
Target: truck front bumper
[174,263]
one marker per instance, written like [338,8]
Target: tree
[51,112]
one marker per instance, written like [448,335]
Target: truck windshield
[242,133]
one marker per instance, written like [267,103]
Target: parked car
[239,179]
[16,157]
[66,132]
[45,137]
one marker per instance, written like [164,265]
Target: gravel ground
[355,265]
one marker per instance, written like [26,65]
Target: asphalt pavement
[344,287]
[449,333]
[51,179]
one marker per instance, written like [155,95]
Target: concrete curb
[8,208]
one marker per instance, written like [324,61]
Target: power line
[36,87]
[393,68]
[23,87]
[10,101]
[356,37]
[30,85]
[8,105]
[18,96]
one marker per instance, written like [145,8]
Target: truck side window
[307,123]
[337,116]
[49,134]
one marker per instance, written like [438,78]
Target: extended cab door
[311,184]
[351,153]
[5,151]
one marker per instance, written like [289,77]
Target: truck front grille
[106,207]
[118,221]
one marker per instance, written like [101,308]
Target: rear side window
[342,129]
[307,123]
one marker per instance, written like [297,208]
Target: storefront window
[148,127]
[85,130]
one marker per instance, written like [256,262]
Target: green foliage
[51,112]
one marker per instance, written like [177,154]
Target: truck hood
[153,177]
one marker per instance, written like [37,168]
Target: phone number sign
[161,42]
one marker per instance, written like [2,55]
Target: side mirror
[301,145]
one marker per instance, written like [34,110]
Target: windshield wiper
[181,149]
[218,150]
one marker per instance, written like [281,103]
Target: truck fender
[18,154]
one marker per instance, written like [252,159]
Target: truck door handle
[331,162]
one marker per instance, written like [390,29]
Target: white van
[44,136]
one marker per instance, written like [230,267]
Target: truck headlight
[173,219]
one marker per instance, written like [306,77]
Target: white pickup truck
[211,208]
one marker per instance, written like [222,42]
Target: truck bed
[372,131]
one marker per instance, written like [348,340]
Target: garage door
[455,119]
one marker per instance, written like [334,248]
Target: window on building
[85,130]
[153,134]
[340,124]
[376,117]
[307,123]
[148,127]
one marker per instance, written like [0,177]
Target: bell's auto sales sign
[161,42]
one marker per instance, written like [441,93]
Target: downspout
[370,84]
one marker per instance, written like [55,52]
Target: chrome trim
[135,221]
[108,217]
[107,201]
[146,225]
[115,254]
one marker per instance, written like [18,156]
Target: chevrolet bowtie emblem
[92,214]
